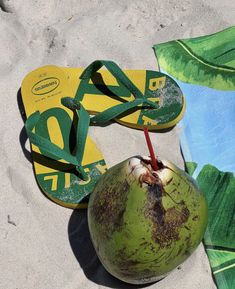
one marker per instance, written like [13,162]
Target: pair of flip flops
[61,103]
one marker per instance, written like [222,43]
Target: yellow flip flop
[135,98]
[66,161]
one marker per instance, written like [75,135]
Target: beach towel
[204,68]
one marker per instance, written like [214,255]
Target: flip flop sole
[42,91]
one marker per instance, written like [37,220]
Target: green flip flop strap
[83,124]
[54,150]
[115,111]
[115,71]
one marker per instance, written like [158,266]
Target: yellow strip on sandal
[104,91]
[42,91]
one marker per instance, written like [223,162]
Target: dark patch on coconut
[126,265]
[109,206]
[195,218]
[187,228]
[181,248]
[166,223]
[188,245]
[170,180]
[130,268]
[156,209]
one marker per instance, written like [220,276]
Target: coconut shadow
[82,247]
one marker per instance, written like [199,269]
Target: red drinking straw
[150,147]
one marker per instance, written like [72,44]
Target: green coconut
[144,223]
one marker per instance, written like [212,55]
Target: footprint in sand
[6,6]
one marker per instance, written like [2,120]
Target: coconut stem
[151,151]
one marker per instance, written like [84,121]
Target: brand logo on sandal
[45,86]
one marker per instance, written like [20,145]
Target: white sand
[43,245]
